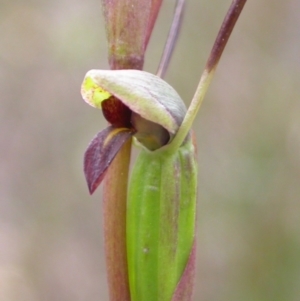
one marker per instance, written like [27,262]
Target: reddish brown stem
[115,194]
[224,33]
[129,24]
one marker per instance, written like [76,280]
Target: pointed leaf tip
[101,152]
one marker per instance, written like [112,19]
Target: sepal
[101,152]
[143,93]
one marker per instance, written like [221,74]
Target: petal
[116,113]
[101,152]
[93,94]
[144,93]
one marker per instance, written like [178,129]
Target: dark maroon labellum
[116,113]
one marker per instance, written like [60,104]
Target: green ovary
[160,222]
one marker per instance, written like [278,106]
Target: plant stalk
[172,38]
[225,31]
[114,214]
[129,24]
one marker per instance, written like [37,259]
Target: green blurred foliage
[248,134]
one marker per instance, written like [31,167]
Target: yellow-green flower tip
[92,93]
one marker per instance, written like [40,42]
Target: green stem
[223,36]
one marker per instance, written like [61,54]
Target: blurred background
[248,134]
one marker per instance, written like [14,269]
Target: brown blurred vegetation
[248,134]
